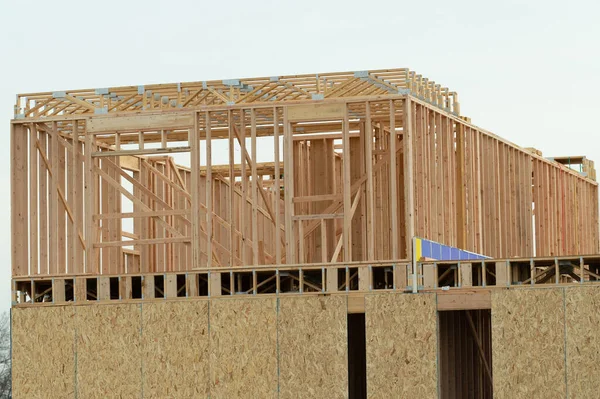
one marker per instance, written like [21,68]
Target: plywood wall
[312,347]
[175,349]
[43,340]
[543,341]
[528,343]
[108,351]
[401,345]
[243,348]
[162,349]
[583,347]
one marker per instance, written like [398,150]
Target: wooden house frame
[259,237]
[122,181]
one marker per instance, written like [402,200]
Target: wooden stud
[209,187]
[58,290]
[502,274]
[346,232]
[170,285]
[194,143]
[370,191]
[33,200]
[276,188]
[409,183]
[290,250]
[90,204]
[80,289]
[232,247]
[255,189]
[466,274]
[148,288]
[103,288]
[393,182]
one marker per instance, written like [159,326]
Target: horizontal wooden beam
[144,151]
[464,299]
[166,121]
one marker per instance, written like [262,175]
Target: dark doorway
[357,357]
[465,344]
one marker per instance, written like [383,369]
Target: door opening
[357,357]
[465,344]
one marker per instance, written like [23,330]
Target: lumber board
[19,210]
[315,112]
[102,124]
[464,299]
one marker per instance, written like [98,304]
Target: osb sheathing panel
[175,349]
[313,347]
[108,351]
[583,347]
[528,343]
[401,333]
[243,348]
[43,352]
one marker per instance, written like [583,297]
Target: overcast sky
[527,71]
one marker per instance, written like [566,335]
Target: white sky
[527,71]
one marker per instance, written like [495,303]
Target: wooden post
[480,248]
[429,275]
[502,274]
[370,188]
[276,189]
[460,187]
[53,225]
[103,288]
[231,135]
[80,289]
[148,287]
[254,188]
[244,181]
[346,231]
[364,272]
[33,202]
[288,159]
[90,202]
[393,181]
[170,285]
[127,293]
[214,284]
[194,143]
[332,279]
[191,284]
[75,181]
[409,183]
[58,290]
[409,191]
[209,189]
[483,274]
[43,205]
[466,274]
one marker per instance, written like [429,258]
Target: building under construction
[335,235]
